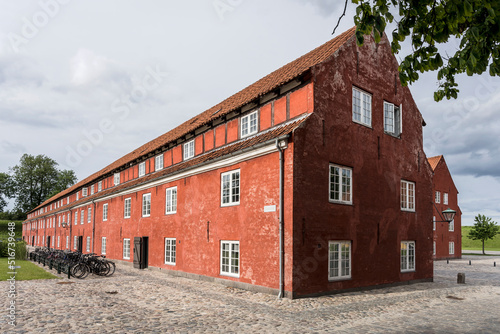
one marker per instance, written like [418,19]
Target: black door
[141,252]
[48,241]
[79,244]
[33,241]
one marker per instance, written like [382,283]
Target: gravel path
[150,301]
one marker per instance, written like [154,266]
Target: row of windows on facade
[362,112]
[248,126]
[437,198]
[341,188]
[339,255]
[451,225]
[451,248]
[340,192]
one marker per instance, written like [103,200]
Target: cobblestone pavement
[135,301]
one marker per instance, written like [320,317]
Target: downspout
[280,218]
[71,216]
[93,225]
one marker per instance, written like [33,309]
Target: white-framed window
[159,162]
[445,198]
[88,244]
[230,188]
[230,258]
[58,221]
[82,213]
[84,192]
[451,226]
[142,169]
[67,202]
[146,205]
[89,215]
[92,189]
[339,260]
[170,250]
[407,256]
[433,223]
[127,206]
[99,186]
[361,107]
[116,179]
[407,195]
[392,119]
[437,198]
[189,150]
[67,242]
[451,246]
[105,212]
[69,218]
[76,217]
[77,196]
[75,242]
[171,200]
[433,248]
[58,241]
[340,184]
[249,124]
[126,249]
[63,220]
[103,245]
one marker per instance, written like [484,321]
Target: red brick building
[312,180]
[447,237]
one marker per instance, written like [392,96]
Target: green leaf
[468,8]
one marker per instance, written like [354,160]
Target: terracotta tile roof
[263,86]
[434,161]
[259,138]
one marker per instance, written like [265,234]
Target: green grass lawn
[28,271]
[469,244]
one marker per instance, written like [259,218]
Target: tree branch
[340,18]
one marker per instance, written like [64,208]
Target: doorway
[80,244]
[141,252]
[48,241]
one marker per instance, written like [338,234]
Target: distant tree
[483,229]
[36,179]
[428,23]
[4,190]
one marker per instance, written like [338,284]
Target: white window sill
[363,124]
[336,279]
[339,202]
[230,275]
[230,204]
[408,210]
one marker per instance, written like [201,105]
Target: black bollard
[470,263]
[447,261]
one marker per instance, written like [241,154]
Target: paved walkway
[151,301]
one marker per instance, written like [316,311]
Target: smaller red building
[447,236]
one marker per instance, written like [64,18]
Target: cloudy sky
[85,82]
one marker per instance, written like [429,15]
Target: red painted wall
[374,223]
[443,182]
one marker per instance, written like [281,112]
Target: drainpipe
[93,226]
[281,145]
